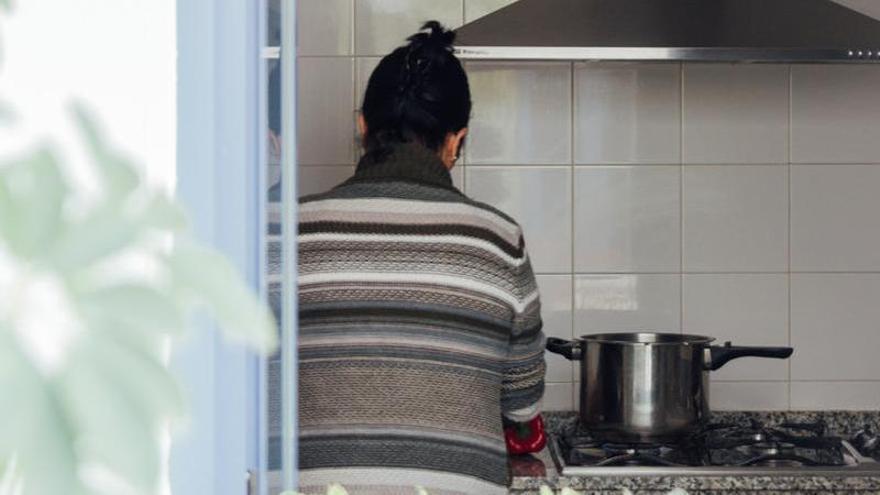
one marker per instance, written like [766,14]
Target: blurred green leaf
[32,193]
[117,395]
[207,277]
[336,489]
[33,426]
[10,482]
[102,233]
[117,173]
[163,213]
[132,307]
[103,408]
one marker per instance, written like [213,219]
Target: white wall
[118,59]
[738,201]
[116,56]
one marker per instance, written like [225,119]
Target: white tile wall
[816,396]
[834,114]
[383,25]
[627,113]
[326,117]
[627,219]
[867,7]
[627,303]
[558,397]
[835,217]
[521,113]
[474,9]
[735,218]
[735,113]
[835,326]
[750,396]
[324,27]
[656,196]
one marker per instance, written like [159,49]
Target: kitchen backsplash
[738,201]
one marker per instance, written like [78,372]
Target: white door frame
[222,181]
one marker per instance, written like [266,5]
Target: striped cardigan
[419,327]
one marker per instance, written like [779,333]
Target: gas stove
[721,449]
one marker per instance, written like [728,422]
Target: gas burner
[775,454]
[867,441]
[779,460]
[638,459]
[586,451]
[800,435]
[723,446]
[765,448]
[632,449]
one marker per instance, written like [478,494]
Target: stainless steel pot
[648,387]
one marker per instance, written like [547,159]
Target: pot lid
[654,338]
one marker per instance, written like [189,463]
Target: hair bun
[437,37]
[426,51]
[417,93]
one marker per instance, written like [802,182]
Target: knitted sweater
[419,327]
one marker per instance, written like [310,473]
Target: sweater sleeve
[523,381]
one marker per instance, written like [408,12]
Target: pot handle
[571,349]
[719,355]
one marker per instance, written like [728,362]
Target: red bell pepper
[525,438]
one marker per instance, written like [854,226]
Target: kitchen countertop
[527,480]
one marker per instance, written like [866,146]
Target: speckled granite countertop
[842,423]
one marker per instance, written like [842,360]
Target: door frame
[221,111]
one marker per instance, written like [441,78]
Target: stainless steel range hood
[797,31]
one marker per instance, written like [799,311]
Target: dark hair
[418,93]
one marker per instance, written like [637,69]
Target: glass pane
[274,267]
[273,22]
[274,125]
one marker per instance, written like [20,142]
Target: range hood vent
[794,31]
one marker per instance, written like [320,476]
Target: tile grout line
[702,273]
[463,151]
[571,151]
[788,227]
[354,76]
[768,381]
[665,164]
[352,25]
[681,196]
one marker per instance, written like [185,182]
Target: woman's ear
[361,126]
[452,147]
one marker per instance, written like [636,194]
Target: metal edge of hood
[747,31]
[742,55]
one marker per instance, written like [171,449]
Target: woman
[419,316]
